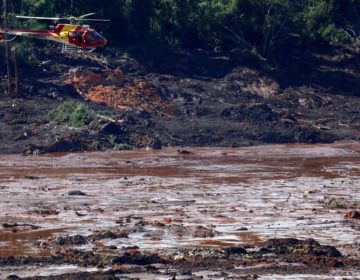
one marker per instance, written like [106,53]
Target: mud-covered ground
[184,98]
[266,212]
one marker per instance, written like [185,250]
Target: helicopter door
[76,38]
[73,38]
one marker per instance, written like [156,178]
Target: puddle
[19,242]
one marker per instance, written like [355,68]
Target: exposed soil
[265,212]
[185,98]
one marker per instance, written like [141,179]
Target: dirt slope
[185,98]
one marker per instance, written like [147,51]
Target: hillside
[181,98]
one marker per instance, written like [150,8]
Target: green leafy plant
[76,113]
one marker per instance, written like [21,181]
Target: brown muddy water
[241,197]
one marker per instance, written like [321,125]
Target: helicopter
[70,35]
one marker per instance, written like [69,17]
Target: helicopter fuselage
[66,34]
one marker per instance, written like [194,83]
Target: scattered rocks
[71,240]
[109,234]
[46,212]
[235,251]
[292,246]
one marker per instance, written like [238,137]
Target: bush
[123,147]
[76,113]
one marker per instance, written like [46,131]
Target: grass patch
[75,113]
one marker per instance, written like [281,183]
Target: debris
[235,251]
[79,193]
[6,225]
[111,88]
[352,215]
[139,259]
[185,152]
[336,203]
[71,240]
[243,229]
[79,214]
[203,232]
[32,177]
[294,246]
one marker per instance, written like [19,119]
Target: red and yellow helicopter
[69,35]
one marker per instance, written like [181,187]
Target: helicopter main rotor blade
[92,19]
[41,18]
[87,15]
[81,18]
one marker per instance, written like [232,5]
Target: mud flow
[205,212]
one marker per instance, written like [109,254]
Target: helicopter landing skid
[74,49]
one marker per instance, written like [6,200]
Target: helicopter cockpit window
[92,37]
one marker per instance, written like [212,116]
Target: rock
[235,251]
[32,177]
[184,152]
[292,246]
[139,259]
[352,215]
[79,193]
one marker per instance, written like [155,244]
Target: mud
[184,98]
[266,212]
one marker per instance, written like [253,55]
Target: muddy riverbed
[268,212]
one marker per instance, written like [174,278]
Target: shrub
[76,113]
[123,147]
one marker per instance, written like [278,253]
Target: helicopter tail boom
[22,32]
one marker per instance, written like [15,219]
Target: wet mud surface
[266,212]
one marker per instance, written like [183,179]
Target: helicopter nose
[104,43]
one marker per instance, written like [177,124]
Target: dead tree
[7,51]
[16,72]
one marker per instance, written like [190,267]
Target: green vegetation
[123,147]
[75,113]
[264,25]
